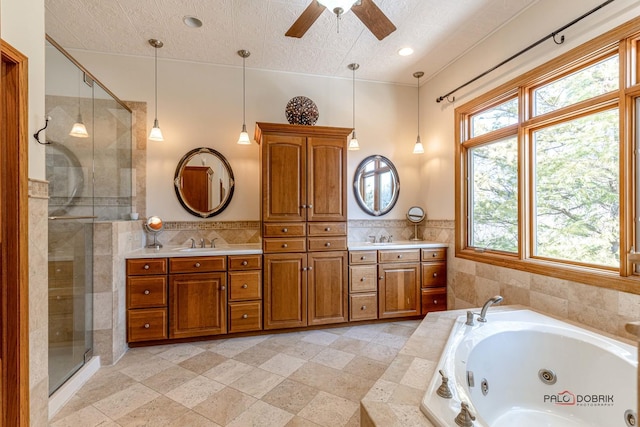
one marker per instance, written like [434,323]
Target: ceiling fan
[366,10]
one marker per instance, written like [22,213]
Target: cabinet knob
[310,268]
[146,266]
[303,206]
[147,326]
[363,257]
[310,206]
[435,301]
[327,244]
[381,278]
[400,256]
[434,255]
[327,229]
[285,230]
[245,316]
[147,292]
[435,274]
[284,245]
[364,307]
[196,265]
[245,286]
[363,279]
[245,263]
[223,287]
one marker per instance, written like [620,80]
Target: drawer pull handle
[284,245]
[435,274]
[245,316]
[364,307]
[327,244]
[223,287]
[245,286]
[327,229]
[285,230]
[147,326]
[147,292]
[196,265]
[245,263]
[146,266]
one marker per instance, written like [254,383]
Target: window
[546,172]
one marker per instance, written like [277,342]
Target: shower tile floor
[307,378]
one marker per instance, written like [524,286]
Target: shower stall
[89,169]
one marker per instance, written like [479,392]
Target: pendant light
[244,136]
[418,148]
[353,144]
[156,133]
[79,130]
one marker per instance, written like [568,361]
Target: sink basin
[200,249]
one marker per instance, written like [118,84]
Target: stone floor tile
[290,395]
[253,357]
[126,400]
[329,410]
[202,362]
[257,383]
[228,371]
[160,412]
[365,367]
[283,364]
[180,353]
[261,414]
[195,391]
[301,422]
[86,417]
[224,406]
[169,379]
[320,337]
[333,358]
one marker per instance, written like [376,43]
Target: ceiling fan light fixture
[405,51]
[339,7]
[192,22]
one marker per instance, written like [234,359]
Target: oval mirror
[376,185]
[204,182]
[415,214]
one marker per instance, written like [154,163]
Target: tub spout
[495,300]
[464,418]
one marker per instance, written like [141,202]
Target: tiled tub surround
[394,400]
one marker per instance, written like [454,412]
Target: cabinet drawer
[327,243]
[197,264]
[327,229]
[285,245]
[284,229]
[363,278]
[434,275]
[434,299]
[148,324]
[363,306]
[435,254]
[146,291]
[245,316]
[363,257]
[143,266]
[245,285]
[399,255]
[245,262]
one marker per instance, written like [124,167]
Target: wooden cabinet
[434,279]
[245,293]
[304,213]
[198,296]
[363,285]
[398,289]
[147,313]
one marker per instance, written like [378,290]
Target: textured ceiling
[438,30]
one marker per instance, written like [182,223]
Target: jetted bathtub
[524,369]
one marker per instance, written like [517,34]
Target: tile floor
[307,378]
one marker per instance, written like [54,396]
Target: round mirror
[376,185]
[154,225]
[415,214]
[204,182]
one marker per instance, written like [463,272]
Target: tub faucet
[465,418]
[483,313]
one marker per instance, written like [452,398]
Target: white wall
[22,26]
[201,105]
[541,19]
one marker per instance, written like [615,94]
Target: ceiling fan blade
[306,20]
[374,19]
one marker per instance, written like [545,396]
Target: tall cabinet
[304,224]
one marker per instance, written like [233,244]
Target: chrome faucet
[483,313]
[203,243]
[213,242]
[193,242]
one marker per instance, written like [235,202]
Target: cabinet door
[284,178]
[327,174]
[398,290]
[198,304]
[327,286]
[285,290]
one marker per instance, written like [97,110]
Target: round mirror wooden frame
[376,185]
[204,182]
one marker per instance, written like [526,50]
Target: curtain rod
[549,36]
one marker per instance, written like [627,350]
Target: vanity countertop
[400,244]
[181,251]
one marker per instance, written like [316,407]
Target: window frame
[623,41]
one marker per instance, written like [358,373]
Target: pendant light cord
[418,106]
[156,78]
[354,98]
[244,93]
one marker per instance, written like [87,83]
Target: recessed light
[405,51]
[192,21]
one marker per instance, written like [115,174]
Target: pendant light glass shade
[243,139]
[353,144]
[418,148]
[343,5]
[156,133]
[79,130]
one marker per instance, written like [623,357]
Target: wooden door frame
[14,295]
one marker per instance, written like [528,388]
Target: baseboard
[61,396]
